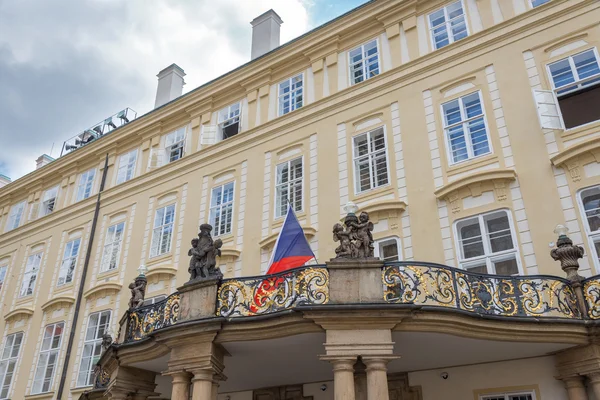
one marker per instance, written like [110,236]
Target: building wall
[503,57]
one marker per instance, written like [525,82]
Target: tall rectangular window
[465,128]
[288,187]
[447,25]
[175,145]
[364,62]
[487,244]
[126,169]
[112,247]
[590,200]
[98,323]
[3,269]
[576,85]
[221,209]
[229,121]
[8,362]
[44,373]
[86,184]
[15,216]
[30,275]
[291,94]
[162,231]
[69,261]
[370,160]
[48,201]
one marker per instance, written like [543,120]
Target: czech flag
[291,248]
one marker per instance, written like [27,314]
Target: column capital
[179,376]
[594,377]
[572,381]
[378,362]
[345,363]
[202,375]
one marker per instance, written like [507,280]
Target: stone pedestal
[198,299]
[355,281]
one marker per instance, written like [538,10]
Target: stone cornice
[476,178]
[591,146]
[109,286]
[24,312]
[387,205]
[58,300]
[161,270]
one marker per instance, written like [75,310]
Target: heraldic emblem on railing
[145,320]
[591,291]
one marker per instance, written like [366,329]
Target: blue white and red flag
[291,248]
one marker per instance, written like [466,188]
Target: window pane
[561,73]
[471,240]
[506,267]
[499,232]
[586,64]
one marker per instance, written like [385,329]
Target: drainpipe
[88,254]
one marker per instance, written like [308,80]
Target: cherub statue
[195,261]
[363,236]
[138,291]
[211,258]
[346,248]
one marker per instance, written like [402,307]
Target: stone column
[343,378]
[181,382]
[377,384]
[575,388]
[215,387]
[203,383]
[595,382]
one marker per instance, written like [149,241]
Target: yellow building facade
[467,129]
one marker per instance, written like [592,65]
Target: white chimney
[4,180]
[42,160]
[170,84]
[265,33]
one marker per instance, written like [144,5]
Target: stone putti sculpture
[355,236]
[203,255]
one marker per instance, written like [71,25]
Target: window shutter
[209,134]
[548,109]
[157,155]
[34,211]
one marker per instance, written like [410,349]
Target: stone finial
[356,239]
[204,253]
[568,254]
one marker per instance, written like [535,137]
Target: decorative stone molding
[387,205]
[23,312]
[575,157]
[161,270]
[107,286]
[68,300]
[270,240]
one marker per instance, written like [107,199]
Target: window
[388,249]
[370,160]
[509,396]
[487,245]
[163,230]
[447,25]
[48,201]
[288,187]
[364,62]
[44,373]
[14,218]
[126,169]
[535,3]
[221,209]
[30,275]
[112,247]
[86,183]
[465,128]
[8,362]
[92,347]
[175,145]
[67,266]
[590,200]
[154,300]
[290,94]
[3,270]
[576,84]
[229,121]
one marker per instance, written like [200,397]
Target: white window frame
[464,122]
[364,66]
[447,22]
[30,274]
[218,208]
[289,184]
[507,395]
[531,3]
[69,262]
[574,71]
[48,202]
[3,270]
[15,216]
[223,123]
[488,256]
[154,300]
[371,156]
[8,360]
[49,349]
[592,236]
[112,247]
[178,144]
[293,104]
[85,186]
[127,166]
[378,242]
[159,229]
[95,343]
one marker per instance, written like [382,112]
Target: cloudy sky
[67,64]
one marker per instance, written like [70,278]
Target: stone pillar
[360,380]
[343,378]
[595,382]
[377,384]
[181,385]
[575,388]
[215,387]
[203,383]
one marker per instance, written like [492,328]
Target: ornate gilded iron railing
[264,295]
[145,320]
[101,378]
[508,296]
[591,292]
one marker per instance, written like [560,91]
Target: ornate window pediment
[575,157]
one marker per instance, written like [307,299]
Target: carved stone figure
[106,340]
[356,239]
[211,258]
[346,248]
[204,252]
[195,261]
[138,292]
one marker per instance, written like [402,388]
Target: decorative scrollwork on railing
[145,320]
[101,378]
[273,293]
[441,286]
[591,292]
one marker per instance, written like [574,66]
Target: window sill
[108,274]
[25,299]
[158,259]
[374,193]
[278,221]
[226,239]
[580,131]
[81,389]
[64,288]
[45,395]
[471,163]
